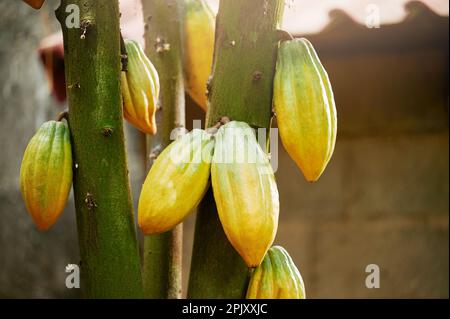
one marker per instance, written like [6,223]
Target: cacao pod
[176,183]
[140,89]
[276,278]
[305,108]
[46,173]
[199,25]
[245,191]
[36,4]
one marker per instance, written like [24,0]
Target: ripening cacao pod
[140,89]
[245,191]
[276,278]
[176,183]
[46,173]
[36,4]
[305,108]
[199,25]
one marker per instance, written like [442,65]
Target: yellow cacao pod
[36,4]
[176,182]
[276,278]
[199,25]
[140,89]
[46,173]
[305,108]
[245,191]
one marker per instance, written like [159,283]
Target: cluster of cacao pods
[305,108]
[140,89]
[242,180]
[198,38]
[46,173]
[276,277]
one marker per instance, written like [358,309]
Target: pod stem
[213,129]
[123,54]
[63,116]
[284,35]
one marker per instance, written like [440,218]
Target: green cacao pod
[140,89]
[176,183]
[276,278]
[46,173]
[245,191]
[36,4]
[305,108]
[199,25]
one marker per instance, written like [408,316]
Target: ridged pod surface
[245,191]
[276,278]
[199,25]
[176,183]
[46,173]
[140,89]
[305,108]
[36,4]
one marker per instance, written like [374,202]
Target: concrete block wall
[375,209]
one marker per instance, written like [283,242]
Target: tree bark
[241,88]
[110,265]
[163,253]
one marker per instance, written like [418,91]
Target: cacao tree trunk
[110,264]
[241,88]
[163,253]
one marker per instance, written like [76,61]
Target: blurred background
[384,198]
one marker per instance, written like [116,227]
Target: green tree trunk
[163,253]
[241,88]
[110,265]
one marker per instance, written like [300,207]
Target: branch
[163,253]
